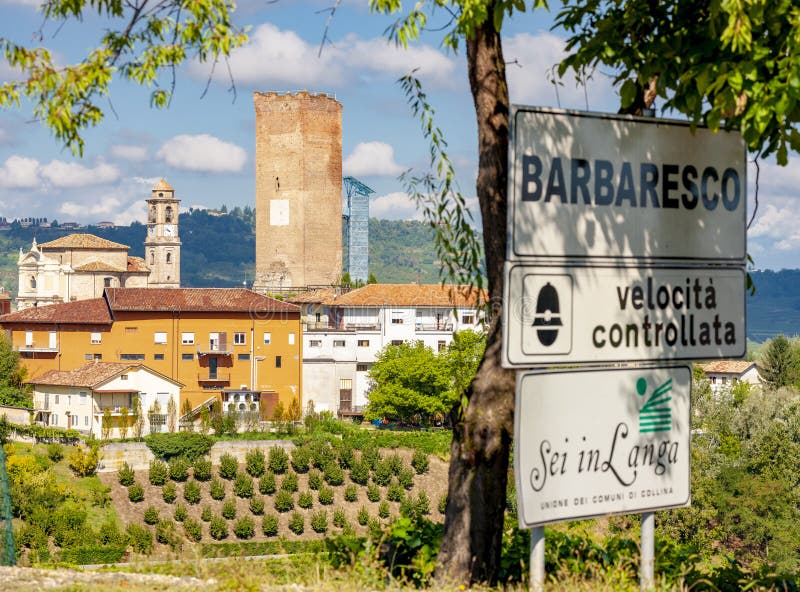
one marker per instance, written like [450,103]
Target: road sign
[588,185]
[581,314]
[596,442]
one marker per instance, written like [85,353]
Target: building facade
[211,340]
[298,191]
[344,333]
[723,374]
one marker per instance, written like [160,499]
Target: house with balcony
[79,399]
[345,331]
[723,374]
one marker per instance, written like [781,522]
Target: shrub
[218,528]
[257,505]
[420,462]
[180,512]
[217,489]
[322,454]
[109,533]
[206,514]
[297,523]
[158,472]
[325,495]
[383,509]
[363,516]
[334,474]
[305,500]
[371,456]
[229,509]
[278,460]
[422,506]
[395,492]
[244,528]
[269,524]
[284,501]
[191,492]
[395,463]
[169,492]
[382,474]
[83,461]
[442,503]
[359,472]
[178,469]
[166,535]
[319,521]
[406,478]
[289,482]
[55,452]
[346,455]
[228,467]
[193,530]
[350,493]
[151,515]
[140,538]
[126,475]
[243,485]
[375,528]
[187,444]
[314,479]
[136,492]
[266,484]
[301,458]
[254,462]
[339,518]
[201,469]
[373,493]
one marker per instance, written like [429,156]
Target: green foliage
[269,525]
[193,529]
[266,484]
[244,528]
[206,513]
[442,504]
[319,521]
[257,505]
[289,482]
[383,509]
[228,467]
[12,374]
[140,538]
[91,554]
[779,365]
[334,474]
[395,463]
[178,469]
[420,462]
[359,472]
[345,454]
[325,495]
[169,492]
[395,492]
[151,515]
[184,444]
[243,485]
[192,492]
[301,458]
[297,523]
[55,452]
[350,493]
[322,454]
[382,474]
[217,489]
[368,441]
[229,509]
[126,475]
[406,478]
[158,472]
[180,512]
[363,516]
[283,501]
[373,492]
[255,462]
[305,500]
[218,528]
[136,492]
[370,454]
[83,461]
[201,469]
[314,479]
[278,460]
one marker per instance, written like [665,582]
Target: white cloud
[371,158]
[32,3]
[380,56]
[202,152]
[102,207]
[129,152]
[394,206]
[73,174]
[19,172]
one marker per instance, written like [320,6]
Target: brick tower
[298,190]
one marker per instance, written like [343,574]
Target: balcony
[213,377]
[434,327]
[35,348]
[214,352]
[362,326]
[352,410]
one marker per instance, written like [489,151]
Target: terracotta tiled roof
[82,241]
[94,311]
[99,266]
[321,296]
[411,295]
[89,375]
[725,366]
[137,264]
[162,185]
[194,299]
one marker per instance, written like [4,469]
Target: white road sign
[596,442]
[586,185]
[590,314]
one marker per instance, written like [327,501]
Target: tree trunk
[483,431]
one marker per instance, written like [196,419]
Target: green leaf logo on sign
[655,415]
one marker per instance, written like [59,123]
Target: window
[315,343]
[87,357]
[168,214]
[187,357]
[152,257]
[441,345]
[724,380]
[243,357]
[96,338]
[28,338]
[213,341]
[85,420]
[345,384]
[169,257]
[468,319]
[277,361]
[161,337]
[33,283]
[397,319]
[83,397]
[363,343]
[54,419]
[363,367]
[56,399]
[713,380]
[397,342]
[107,282]
[131,356]
[158,356]
[131,330]
[291,338]
[318,317]
[52,341]
[338,343]
[98,356]
[267,338]
[187,338]
[124,377]
[239,339]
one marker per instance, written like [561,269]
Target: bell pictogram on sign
[547,319]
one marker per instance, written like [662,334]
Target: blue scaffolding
[355,215]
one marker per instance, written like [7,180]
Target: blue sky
[205,146]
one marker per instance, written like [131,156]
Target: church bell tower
[162,247]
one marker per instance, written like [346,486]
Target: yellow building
[227,343]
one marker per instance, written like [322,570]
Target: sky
[204,143]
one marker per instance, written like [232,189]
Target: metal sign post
[648,552]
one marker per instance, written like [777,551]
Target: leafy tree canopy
[12,377]
[779,365]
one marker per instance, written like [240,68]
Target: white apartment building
[344,332]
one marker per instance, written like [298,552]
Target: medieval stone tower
[162,247]
[298,190]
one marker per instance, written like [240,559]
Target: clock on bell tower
[162,247]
